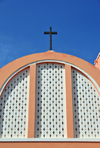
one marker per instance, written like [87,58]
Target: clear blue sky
[23,22]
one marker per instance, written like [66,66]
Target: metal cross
[50,36]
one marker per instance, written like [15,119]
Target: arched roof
[9,69]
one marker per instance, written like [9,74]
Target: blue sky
[23,22]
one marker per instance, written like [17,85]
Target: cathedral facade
[49,100]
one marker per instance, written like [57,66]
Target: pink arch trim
[10,68]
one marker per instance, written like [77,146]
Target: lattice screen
[50,101]
[86,106]
[14,107]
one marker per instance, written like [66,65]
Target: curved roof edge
[13,66]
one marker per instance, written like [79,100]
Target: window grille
[50,101]
[14,107]
[86,107]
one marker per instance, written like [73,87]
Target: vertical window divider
[69,103]
[32,92]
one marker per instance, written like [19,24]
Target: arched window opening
[86,107]
[50,118]
[14,107]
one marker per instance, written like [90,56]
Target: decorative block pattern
[14,107]
[50,101]
[86,107]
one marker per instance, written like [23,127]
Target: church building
[97,61]
[49,100]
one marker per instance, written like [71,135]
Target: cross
[50,36]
